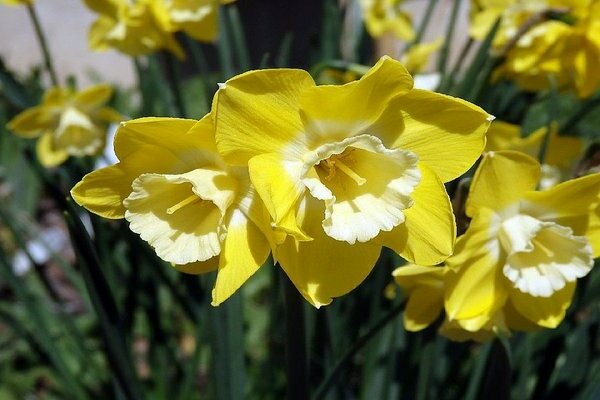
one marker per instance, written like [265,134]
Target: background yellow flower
[68,123]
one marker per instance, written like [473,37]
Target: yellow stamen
[185,202]
[541,246]
[351,174]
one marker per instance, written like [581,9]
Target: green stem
[173,77]
[552,110]
[497,383]
[443,61]
[423,26]
[355,347]
[295,343]
[43,44]
[586,108]
[477,373]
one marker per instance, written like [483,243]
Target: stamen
[351,174]
[185,202]
[541,246]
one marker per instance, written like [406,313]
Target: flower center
[342,162]
[366,186]
[542,256]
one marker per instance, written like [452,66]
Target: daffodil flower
[425,288]
[68,123]
[136,28]
[197,18]
[561,152]
[566,48]
[523,247]
[345,169]
[386,16]
[175,191]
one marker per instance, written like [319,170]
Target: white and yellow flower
[68,123]
[345,169]
[523,247]
[387,16]
[175,191]
[516,266]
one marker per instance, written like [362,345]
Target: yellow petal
[32,122]
[258,112]
[543,311]
[593,231]
[573,203]
[427,235]
[200,22]
[103,191]
[57,96]
[418,55]
[447,133]
[502,178]
[453,331]
[107,7]
[502,136]
[47,152]
[347,110]
[474,282]
[244,250]
[425,287]
[279,185]
[93,96]
[423,307]
[324,268]
[199,267]
[107,114]
[167,133]
[563,150]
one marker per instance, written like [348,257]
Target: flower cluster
[146,26]
[543,39]
[321,176]
[68,123]
[560,153]
[516,266]
[386,16]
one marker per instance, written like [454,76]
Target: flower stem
[295,343]
[43,44]
[354,348]
[171,67]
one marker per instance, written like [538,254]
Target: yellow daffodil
[146,26]
[132,28]
[386,16]
[175,191]
[515,268]
[417,57]
[523,247]
[561,152]
[197,18]
[345,169]
[425,287]
[557,38]
[68,123]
